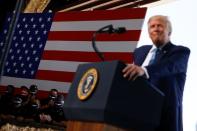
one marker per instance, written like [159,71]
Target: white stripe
[86,46]
[42,84]
[67,66]
[129,24]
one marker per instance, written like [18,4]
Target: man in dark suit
[164,65]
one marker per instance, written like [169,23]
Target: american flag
[46,49]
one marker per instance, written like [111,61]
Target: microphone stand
[102,30]
[9,36]
[106,29]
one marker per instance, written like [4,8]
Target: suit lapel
[165,50]
[141,54]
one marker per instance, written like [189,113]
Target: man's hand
[132,71]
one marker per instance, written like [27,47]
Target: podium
[114,102]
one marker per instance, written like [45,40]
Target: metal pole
[9,36]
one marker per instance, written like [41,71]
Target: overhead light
[101,5]
[157,3]
[79,5]
[124,5]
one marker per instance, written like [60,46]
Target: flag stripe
[87,36]
[129,24]
[101,15]
[55,75]
[65,66]
[53,65]
[41,94]
[85,56]
[86,46]
[42,84]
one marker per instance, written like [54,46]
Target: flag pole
[9,36]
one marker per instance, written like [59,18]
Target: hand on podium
[132,71]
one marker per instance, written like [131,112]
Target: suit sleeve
[173,63]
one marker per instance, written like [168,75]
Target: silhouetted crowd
[25,106]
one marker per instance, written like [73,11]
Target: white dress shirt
[151,55]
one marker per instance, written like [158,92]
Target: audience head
[10,89]
[59,101]
[53,94]
[17,101]
[33,89]
[24,91]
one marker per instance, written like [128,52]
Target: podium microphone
[106,29]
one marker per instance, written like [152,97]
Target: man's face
[54,93]
[24,92]
[158,31]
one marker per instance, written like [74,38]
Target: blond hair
[163,18]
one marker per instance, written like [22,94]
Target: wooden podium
[92,126]
[109,102]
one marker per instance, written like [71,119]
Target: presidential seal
[87,84]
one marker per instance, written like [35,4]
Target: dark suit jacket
[169,75]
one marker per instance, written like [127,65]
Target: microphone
[119,30]
[110,29]
[106,29]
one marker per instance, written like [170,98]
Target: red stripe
[44,94]
[132,35]
[129,13]
[55,75]
[3,89]
[86,56]
[40,95]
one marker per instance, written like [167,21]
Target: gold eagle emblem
[87,84]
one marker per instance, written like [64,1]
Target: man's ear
[169,33]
